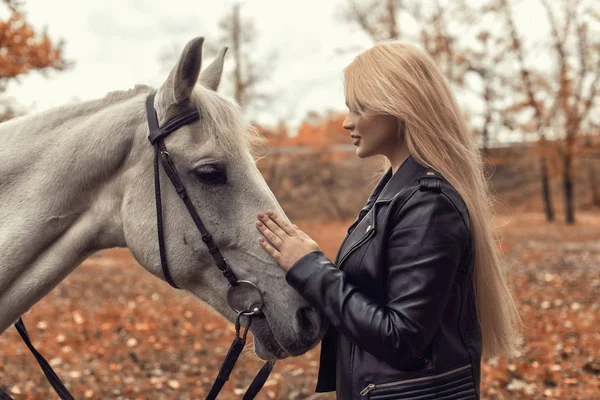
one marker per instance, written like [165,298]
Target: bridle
[254,309]
[157,135]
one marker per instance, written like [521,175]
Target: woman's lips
[356,140]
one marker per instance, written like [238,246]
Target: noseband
[251,310]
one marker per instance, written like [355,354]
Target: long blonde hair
[399,79]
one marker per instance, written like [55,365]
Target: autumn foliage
[22,50]
[321,134]
[318,132]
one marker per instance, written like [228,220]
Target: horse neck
[59,197]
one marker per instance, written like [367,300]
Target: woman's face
[373,134]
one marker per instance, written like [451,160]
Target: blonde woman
[417,294]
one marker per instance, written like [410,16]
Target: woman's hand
[286,243]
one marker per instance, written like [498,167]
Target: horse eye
[212,174]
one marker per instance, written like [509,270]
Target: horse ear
[211,75]
[184,75]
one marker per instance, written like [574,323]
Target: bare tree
[578,76]
[542,114]
[383,20]
[247,73]
[592,156]
[495,57]
[378,19]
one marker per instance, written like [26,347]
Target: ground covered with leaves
[111,330]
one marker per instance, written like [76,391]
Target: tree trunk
[568,187]
[485,140]
[592,173]
[594,184]
[546,194]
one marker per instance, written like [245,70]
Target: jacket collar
[389,185]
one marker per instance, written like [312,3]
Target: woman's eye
[211,174]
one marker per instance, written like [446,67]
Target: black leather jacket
[399,297]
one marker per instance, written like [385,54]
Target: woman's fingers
[273,238]
[285,248]
[270,249]
[271,225]
[282,223]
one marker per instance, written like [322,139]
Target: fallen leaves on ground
[111,330]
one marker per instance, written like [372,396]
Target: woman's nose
[348,123]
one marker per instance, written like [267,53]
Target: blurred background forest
[532,102]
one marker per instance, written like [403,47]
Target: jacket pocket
[456,384]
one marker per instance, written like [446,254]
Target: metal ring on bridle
[255,307]
[238,324]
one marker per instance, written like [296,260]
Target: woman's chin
[361,153]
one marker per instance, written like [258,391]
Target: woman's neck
[397,158]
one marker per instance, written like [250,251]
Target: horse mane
[220,114]
[225,116]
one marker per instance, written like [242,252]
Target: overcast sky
[116,44]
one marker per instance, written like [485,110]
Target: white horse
[79,178]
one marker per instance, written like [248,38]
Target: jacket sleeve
[422,256]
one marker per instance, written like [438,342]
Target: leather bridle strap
[226,368]
[159,221]
[232,356]
[259,380]
[4,395]
[54,380]
[156,137]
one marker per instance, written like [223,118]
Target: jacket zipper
[370,232]
[356,222]
[372,386]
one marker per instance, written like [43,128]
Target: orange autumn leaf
[22,49]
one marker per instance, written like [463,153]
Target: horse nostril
[308,322]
